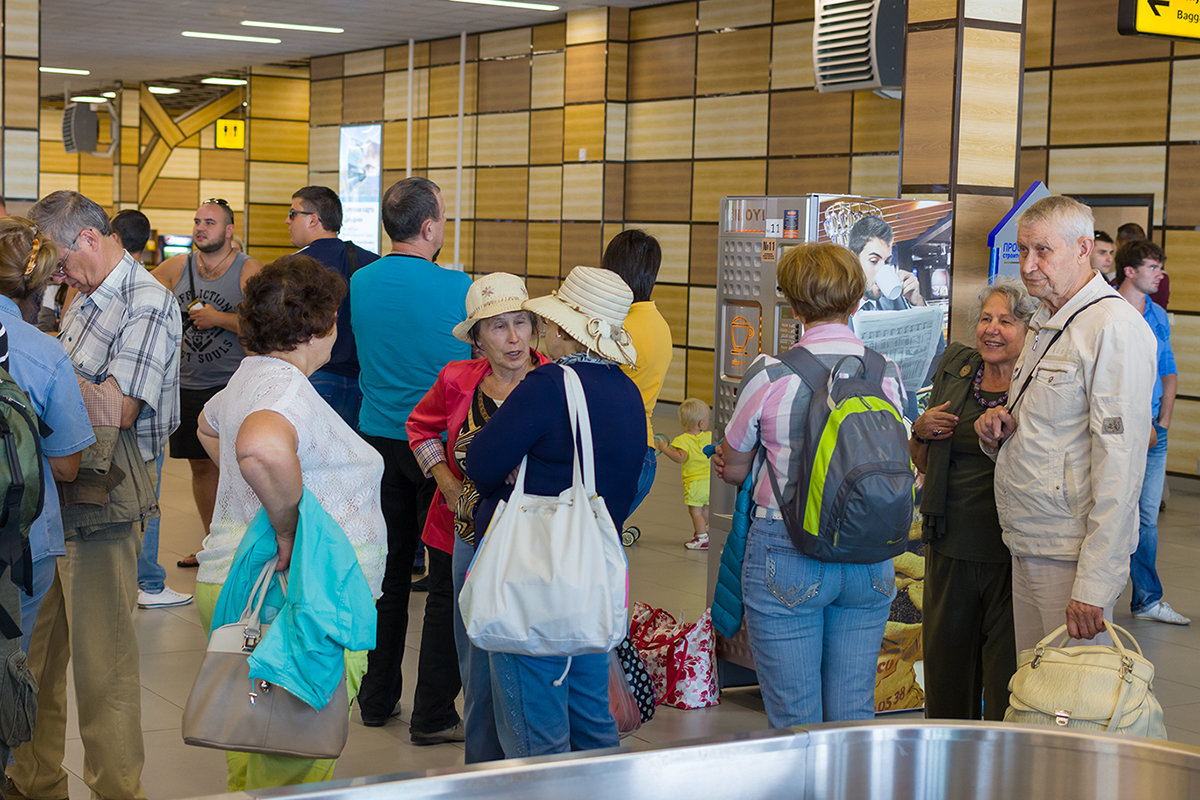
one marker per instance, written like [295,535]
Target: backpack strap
[351,256]
[814,374]
[874,365]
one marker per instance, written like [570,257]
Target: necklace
[983,403]
[205,268]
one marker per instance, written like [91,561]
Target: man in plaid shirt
[122,333]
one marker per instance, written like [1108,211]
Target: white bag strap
[581,421]
[254,604]
[1111,627]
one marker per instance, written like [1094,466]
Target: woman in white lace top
[272,436]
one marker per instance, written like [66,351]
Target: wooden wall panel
[801,175]
[581,244]
[1185,100]
[671,302]
[792,10]
[737,61]
[644,195]
[1119,103]
[395,94]
[326,106]
[324,67]
[618,72]
[1111,170]
[989,105]
[1009,11]
[717,138]
[323,146]
[543,254]
[264,224]
[703,251]
[1035,108]
[589,25]
[662,68]
[363,62]
[675,241]
[875,176]
[546,136]
[232,192]
[675,384]
[20,95]
[1033,167]
[614,191]
[718,14]
[1085,32]
[273,140]
[712,180]
[280,98]
[546,193]
[652,22]
[443,89]
[614,131]
[810,123]
[1183,190]
[585,74]
[1185,331]
[269,182]
[503,139]
[446,180]
[547,82]
[659,130]
[183,162]
[1185,437]
[702,317]
[932,10]
[502,193]
[513,42]
[170,193]
[97,187]
[362,99]
[700,368]
[974,218]
[551,36]
[583,133]
[876,124]
[504,85]
[929,107]
[583,191]
[791,56]
[500,247]
[1183,262]
[442,149]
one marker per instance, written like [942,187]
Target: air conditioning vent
[858,44]
[80,128]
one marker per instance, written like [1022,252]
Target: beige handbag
[1092,687]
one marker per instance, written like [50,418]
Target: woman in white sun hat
[440,428]
[584,328]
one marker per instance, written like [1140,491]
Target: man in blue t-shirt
[314,221]
[405,307]
[1139,267]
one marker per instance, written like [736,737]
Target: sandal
[188,562]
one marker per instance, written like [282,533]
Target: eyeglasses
[62,262]
[292,213]
[215,201]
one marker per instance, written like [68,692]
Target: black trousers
[438,680]
[969,646]
[406,494]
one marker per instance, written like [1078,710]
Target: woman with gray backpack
[820,429]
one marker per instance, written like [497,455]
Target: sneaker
[451,734]
[698,542]
[167,598]
[1162,612]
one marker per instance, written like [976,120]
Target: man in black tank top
[208,285]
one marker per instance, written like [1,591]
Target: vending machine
[894,238]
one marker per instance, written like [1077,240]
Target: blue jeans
[1147,588]
[151,576]
[645,480]
[479,716]
[815,629]
[535,718]
[342,394]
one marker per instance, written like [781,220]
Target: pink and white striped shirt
[772,405]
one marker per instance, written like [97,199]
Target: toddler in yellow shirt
[688,449]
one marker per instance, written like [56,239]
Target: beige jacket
[1068,480]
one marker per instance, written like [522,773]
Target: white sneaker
[167,598]
[697,542]
[1162,612]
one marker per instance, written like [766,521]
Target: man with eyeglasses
[122,334]
[208,285]
[314,221]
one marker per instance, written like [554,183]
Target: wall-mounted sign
[1179,19]
[231,134]
[358,167]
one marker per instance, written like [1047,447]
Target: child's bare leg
[704,512]
[699,517]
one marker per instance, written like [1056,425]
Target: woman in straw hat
[465,396]
[585,329]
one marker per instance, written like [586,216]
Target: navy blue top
[533,419]
[332,253]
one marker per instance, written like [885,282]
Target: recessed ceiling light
[163,90]
[230,37]
[86,98]
[224,81]
[109,95]
[65,71]
[510,4]
[287,26]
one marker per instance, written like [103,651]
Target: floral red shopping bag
[679,655]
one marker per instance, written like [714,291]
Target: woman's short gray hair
[1019,301]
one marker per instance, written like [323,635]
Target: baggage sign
[1178,19]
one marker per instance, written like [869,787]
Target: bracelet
[919,440]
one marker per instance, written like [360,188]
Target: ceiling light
[163,90]
[224,81]
[229,37]
[65,71]
[510,4]
[286,26]
[86,98]
[109,95]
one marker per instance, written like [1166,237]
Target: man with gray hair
[1070,444]
[122,333]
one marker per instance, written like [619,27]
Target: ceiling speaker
[80,128]
[859,44]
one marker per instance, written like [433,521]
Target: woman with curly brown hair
[273,437]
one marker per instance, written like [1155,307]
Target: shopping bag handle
[1113,628]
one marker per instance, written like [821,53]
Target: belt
[767,513]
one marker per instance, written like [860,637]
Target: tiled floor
[664,574]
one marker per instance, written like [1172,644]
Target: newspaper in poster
[908,336]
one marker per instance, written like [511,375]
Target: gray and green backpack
[22,492]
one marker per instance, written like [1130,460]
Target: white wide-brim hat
[493,294]
[590,306]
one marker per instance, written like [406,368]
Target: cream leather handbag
[1092,687]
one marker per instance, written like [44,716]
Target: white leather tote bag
[550,577]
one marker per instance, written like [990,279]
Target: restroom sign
[1178,19]
[231,134]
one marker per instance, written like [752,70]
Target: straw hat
[590,307]
[493,294]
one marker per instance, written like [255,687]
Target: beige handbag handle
[1112,628]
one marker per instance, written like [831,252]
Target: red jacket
[443,410]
